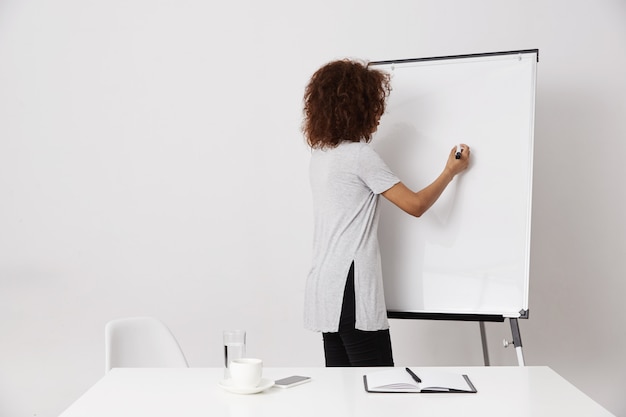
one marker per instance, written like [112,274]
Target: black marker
[415,377]
[457,155]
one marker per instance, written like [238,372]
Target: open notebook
[406,380]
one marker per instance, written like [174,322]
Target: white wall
[151,163]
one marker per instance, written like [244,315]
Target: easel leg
[517,340]
[483,339]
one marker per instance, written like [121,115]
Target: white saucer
[227,384]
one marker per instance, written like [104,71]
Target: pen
[457,155]
[415,377]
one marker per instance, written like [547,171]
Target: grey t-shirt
[346,182]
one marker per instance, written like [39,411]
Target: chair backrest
[141,342]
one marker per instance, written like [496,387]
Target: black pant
[352,347]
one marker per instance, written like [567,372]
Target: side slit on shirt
[352,347]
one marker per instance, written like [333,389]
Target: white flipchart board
[470,253]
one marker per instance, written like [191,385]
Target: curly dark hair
[343,102]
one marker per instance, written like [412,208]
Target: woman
[344,300]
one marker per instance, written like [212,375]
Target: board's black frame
[393,314]
[447,57]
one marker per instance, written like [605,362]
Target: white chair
[141,342]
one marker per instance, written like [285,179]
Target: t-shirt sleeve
[374,172]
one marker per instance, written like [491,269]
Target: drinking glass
[234,348]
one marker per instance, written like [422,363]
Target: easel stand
[517,338]
[517,342]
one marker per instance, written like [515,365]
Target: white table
[502,391]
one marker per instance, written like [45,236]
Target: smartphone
[291,381]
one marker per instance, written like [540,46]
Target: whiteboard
[469,255]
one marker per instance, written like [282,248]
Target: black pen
[415,377]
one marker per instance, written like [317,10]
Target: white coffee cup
[246,372]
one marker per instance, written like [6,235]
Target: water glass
[234,348]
